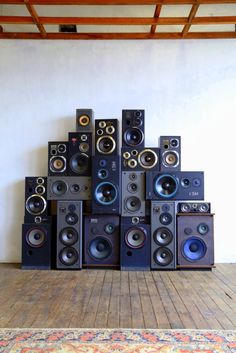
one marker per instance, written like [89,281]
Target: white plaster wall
[186,88]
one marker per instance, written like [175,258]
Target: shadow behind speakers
[106,137]
[135,244]
[133,127]
[106,185]
[175,186]
[101,241]
[195,240]
[163,235]
[69,235]
[170,147]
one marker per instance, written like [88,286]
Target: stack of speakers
[106,206]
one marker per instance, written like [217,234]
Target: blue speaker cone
[194,249]
[106,193]
[166,186]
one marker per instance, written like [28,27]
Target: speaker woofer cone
[106,193]
[170,159]
[185,208]
[100,248]
[79,163]
[68,236]
[193,249]
[36,237]
[68,256]
[163,256]
[166,186]
[35,204]
[135,237]
[163,236]
[133,136]
[165,218]
[203,208]
[57,164]
[147,159]
[84,120]
[132,204]
[59,188]
[106,144]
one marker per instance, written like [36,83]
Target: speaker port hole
[134,153]
[126,155]
[129,253]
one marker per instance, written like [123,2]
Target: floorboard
[114,299]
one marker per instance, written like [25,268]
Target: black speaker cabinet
[69,188]
[193,207]
[170,153]
[101,241]
[36,204]
[133,194]
[36,246]
[133,127]
[195,238]
[140,158]
[134,245]
[84,120]
[79,153]
[175,186]
[107,137]
[69,235]
[106,185]
[57,157]
[163,235]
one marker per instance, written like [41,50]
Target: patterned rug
[116,341]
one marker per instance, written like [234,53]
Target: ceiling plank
[119,20]
[117,2]
[114,36]
[34,16]
[156,16]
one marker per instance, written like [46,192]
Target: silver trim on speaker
[40,180]
[171,163]
[84,147]
[27,206]
[102,124]
[108,137]
[53,170]
[110,130]
[126,155]
[132,163]
[141,155]
[40,186]
[84,137]
[59,148]
[34,241]
[135,237]
[134,153]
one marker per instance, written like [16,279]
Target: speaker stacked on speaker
[195,240]
[69,235]
[135,244]
[163,235]
[102,241]
[106,206]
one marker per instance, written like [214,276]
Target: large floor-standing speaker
[133,127]
[134,244]
[84,120]
[79,153]
[170,153]
[101,241]
[175,186]
[106,185]
[195,238]
[106,137]
[133,194]
[163,235]
[57,157]
[36,204]
[36,246]
[69,235]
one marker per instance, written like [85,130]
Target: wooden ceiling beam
[155,17]
[116,2]
[35,19]
[190,19]
[119,21]
[119,36]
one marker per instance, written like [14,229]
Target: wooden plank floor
[113,299]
